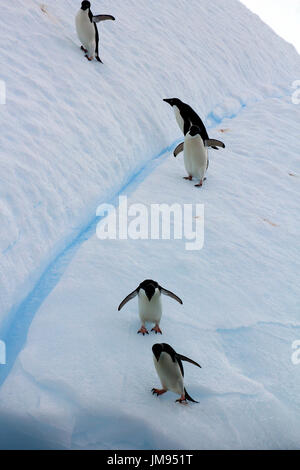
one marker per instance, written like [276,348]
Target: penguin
[150,305]
[195,155]
[87,30]
[187,117]
[169,368]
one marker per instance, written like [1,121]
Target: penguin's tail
[188,397]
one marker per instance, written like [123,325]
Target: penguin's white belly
[179,119]
[195,157]
[85,30]
[150,311]
[169,373]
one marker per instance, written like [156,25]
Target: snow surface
[78,134]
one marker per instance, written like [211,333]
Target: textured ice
[75,134]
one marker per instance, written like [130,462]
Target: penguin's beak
[168,100]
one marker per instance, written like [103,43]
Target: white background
[282,15]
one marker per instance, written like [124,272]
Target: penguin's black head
[173,101]
[157,349]
[149,287]
[194,130]
[85,5]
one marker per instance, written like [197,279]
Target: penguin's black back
[191,118]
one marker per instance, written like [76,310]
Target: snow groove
[14,334]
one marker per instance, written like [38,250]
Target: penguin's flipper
[98,18]
[214,143]
[178,149]
[188,397]
[170,294]
[187,359]
[129,297]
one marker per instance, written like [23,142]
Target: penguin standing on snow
[169,368]
[150,305]
[195,154]
[87,30]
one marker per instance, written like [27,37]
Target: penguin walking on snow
[195,154]
[196,142]
[169,368]
[87,30]
[150,305]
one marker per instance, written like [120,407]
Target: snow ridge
[61,133]
[14,331]
[78,135]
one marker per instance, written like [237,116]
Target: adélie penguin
[87,30]
[149,302]
[195,154]
[187,117]
[169,368]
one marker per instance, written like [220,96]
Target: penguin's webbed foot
[88,58]
[83,49]
[182,400]
[157,392]
[143,330]
[189,178]
[199,185]
[157,329]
